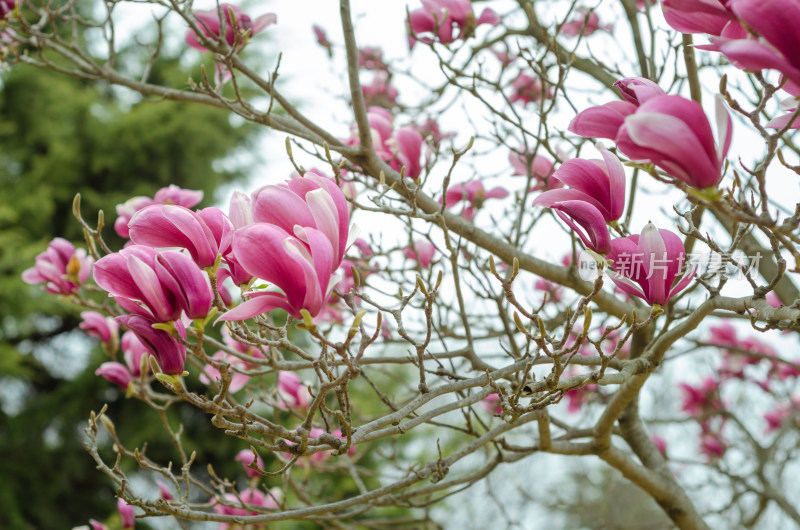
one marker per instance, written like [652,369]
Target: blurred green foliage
[60,136]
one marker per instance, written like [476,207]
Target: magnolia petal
[258,304]
[655,261]
[724,128]
[187,282]
[775,20]
[616,181]
[260,250]
[627,285]
[151,291]
[263,21]
[603,121]
[325,217]
[782,121]
[596,235]
[280,206]
[550,198]
[673,140]
[684,281]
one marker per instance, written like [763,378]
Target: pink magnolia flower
[241,347]
[301,269]
[245,502]
[240,215]
[422,251]
[126,513]
[701,399]
[724,335]
[168,350]
[601,182]
[399,148]
[430,131]
[697,16]
[298,241]
[240,212]
[169,195]
[604,121]
[322,39]
[157,285]
[164,491]
[292,391]
[310,201]
[115,373]
[578,397]
[637,90]
[504,56]
[552,289]
[660,444]
[100,326]
[647,265]
[205,234]
[346,270]
[97,525]
[492,403]
[7,7]
[673,133]
[209,23]
[380,93]
[371,58]
[784,371]
[440,18]
[773,299]
[536,166]
[338,433]
[582,217]
[529,89]
[474,193]
[713,446]
[212,373]
[776,417]
[61,268]
[584,23]
[405,146]
[245,456]
[133,350]
[123,374]
[596,197]
[363,246]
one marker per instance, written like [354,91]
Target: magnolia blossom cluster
[400,147]
[704,403]
[446,21]
[670,132]
[61,268]
[234,28]
[584,23]
[538,168]
[752,34]
[293,236]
